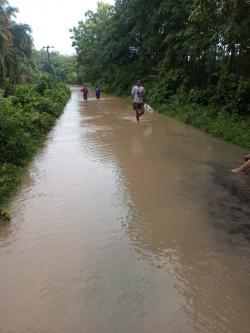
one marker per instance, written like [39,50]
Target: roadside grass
[210,119]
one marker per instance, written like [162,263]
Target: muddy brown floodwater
[122,227]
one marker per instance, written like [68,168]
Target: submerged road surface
[121,227]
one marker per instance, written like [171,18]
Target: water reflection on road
[126,227]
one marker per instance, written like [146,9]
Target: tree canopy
[198,46]
[61,67]
[15,46]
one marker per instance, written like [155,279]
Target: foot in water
[244,167]
[237,170]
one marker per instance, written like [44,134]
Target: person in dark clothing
[85,93]
[97,92]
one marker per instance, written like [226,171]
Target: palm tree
[15,44]
[20,51]
[6,13]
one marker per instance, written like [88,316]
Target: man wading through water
[139,97]
[85,92]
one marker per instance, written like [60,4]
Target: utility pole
[47,48]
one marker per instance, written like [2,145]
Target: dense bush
[25,118]
[9,177]
[166,85]
[232,93]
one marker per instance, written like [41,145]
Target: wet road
[123,227]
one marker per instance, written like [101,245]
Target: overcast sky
[51,20]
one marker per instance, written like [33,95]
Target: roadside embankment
[210,119]
[26,116]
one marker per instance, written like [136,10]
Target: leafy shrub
[23,93]
[25,117]
[167,85]
[9,177]
[4,216]
[232,93]
[42,86]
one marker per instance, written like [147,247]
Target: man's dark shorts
[138,106]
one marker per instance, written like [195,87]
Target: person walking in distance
[85,93]
[98,92]
[138,99]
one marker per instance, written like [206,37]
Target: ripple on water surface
[125,227]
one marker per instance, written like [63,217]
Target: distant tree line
[61,67]
[196,47]
[19,61]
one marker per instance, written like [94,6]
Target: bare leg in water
[138,113]
[244,167]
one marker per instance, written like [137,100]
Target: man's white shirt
[138,93]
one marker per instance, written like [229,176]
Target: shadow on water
[230,205]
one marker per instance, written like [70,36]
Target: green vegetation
[62,67]
[195,51]
[4,216]
[19,62]
[217,122]
[15,47]
[25,118]
[31,99]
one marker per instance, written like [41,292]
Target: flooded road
[123,227]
